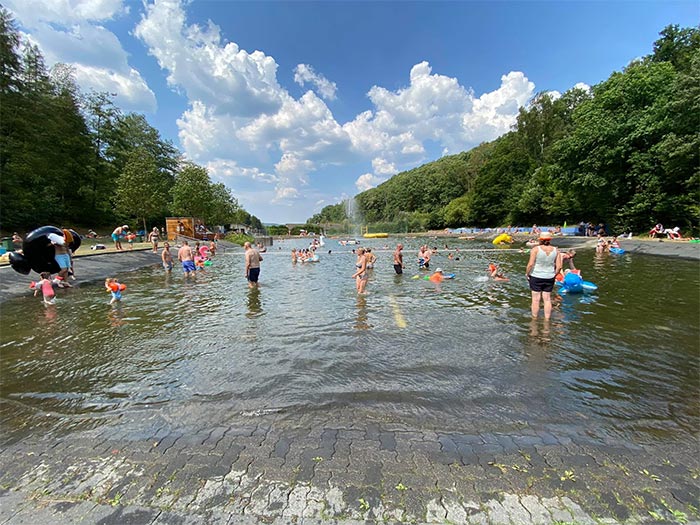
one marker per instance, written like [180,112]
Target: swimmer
[495,274]
[438,276]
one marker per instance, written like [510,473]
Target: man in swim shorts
[167,257]
[398,259]
[184,255]
[252,265]
[117,235]
[62,258]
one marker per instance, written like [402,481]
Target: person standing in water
[360,275]
[543,266]
[167,257]
[185,256]
[252,265]
[398,259]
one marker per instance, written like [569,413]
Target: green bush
[239,238]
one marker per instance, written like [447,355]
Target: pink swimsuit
[46,288]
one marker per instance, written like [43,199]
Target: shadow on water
[209,350]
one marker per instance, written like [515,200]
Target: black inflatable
[38,253]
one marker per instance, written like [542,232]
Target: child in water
[115,288]
[46,287]
[496,274]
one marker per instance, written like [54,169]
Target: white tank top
[545,264]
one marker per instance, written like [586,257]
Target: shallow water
[620,364]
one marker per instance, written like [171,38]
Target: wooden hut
[179,226]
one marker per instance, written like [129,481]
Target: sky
[298,105]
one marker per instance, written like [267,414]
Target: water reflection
[540,331]
[626,358]
[254,304]
[115,315]
[361,320]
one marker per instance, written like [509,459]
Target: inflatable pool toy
[207,263]
[375,235]
[427,277]
[617,251]
[503,238]
[38,253]
[574,283]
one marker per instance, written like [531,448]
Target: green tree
[142,189]
[192,192]
[223,206]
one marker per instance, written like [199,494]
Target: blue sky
[297,105]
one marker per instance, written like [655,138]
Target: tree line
[627,153]
[74,158]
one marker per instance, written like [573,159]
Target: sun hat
[438,270]
[546,236]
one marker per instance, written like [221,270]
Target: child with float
[116,288]
[45,285]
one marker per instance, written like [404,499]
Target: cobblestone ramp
[377,473]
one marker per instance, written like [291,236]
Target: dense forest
[627,153]
[70,158]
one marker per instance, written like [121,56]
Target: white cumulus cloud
[238,112]
[383,167]
[70,31]
[367,181]
[305,74]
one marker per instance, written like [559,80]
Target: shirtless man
[424,257]
[252,265]
[117,235]
[167,257]
[184,255]
[398,259]
[62,257]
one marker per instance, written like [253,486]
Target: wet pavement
[316,472]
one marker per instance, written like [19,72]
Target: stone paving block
[296,502]
[475,514]
[580,516]
[497,514]
[538,512]
[209,518]
[43,513]
[12,502]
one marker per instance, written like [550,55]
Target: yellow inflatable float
[503,238]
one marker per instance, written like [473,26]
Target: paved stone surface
[275,473]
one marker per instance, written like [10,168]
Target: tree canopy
[68,157]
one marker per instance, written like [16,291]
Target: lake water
[620,364]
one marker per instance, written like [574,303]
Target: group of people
[64,259]
[670,233]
